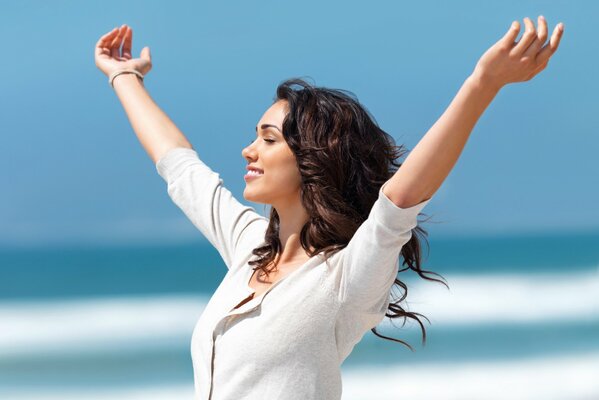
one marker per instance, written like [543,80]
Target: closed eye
[266,140]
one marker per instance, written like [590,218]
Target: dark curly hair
[343,158]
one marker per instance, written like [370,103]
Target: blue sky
[72,169]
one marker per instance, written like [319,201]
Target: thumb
[145,54]
[512,33]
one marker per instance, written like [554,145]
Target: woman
[304,285]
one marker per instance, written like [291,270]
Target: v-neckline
[239,308]
[249,275]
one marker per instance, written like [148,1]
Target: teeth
[251,172]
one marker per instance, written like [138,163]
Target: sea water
[520,321]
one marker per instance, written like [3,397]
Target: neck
[291,220]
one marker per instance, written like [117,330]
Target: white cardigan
[288,343]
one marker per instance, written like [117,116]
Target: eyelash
[266,140]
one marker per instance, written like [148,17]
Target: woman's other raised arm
[430,162]
[155,130]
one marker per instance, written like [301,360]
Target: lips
[250,168]
[253,172]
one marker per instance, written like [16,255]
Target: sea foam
[567,378]
[79,324]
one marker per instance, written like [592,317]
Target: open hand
[507,61]
[109,57]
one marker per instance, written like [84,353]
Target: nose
[248,152]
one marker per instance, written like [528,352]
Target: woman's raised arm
[429,163]
[154,129]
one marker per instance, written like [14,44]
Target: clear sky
[72,169]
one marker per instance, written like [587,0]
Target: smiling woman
[280,181]
[330,159]
[305,284]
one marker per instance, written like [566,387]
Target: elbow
[411,201]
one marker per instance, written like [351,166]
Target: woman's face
[279,184]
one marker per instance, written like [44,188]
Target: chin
[252,198]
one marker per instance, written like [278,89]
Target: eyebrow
[264,126]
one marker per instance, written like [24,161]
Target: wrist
[126,79]
[483,82]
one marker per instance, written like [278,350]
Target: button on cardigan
[288,343]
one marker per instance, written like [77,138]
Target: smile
[252,175]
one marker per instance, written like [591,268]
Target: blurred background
[102,277]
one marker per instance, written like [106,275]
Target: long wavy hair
[343,159]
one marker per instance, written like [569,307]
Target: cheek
[287,174]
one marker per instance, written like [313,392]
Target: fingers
[541,36]
[145,54]
[550,48]
[528,37]
[104,38]
[115,45]
[127,43]
[542,29]
[103,43]
[511,34]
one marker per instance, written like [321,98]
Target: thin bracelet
[123,71]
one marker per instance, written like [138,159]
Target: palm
[110,57]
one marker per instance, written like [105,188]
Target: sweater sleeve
[231,227]
[369,262]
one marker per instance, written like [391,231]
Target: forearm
[154,129]
[430,162]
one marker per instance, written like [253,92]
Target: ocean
[520,321]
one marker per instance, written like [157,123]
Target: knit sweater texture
[288,343]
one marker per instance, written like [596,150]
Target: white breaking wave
[148,392]
[549,378]
[75,325]
[507,298]
[79,324]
